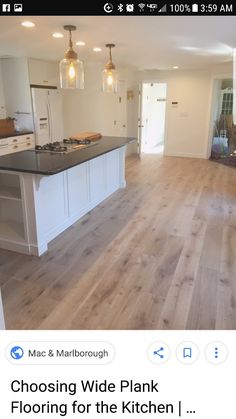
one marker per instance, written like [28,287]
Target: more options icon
[216,352]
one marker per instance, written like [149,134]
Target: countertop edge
[73,164]
[16,134]
[55,172]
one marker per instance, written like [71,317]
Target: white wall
[83,108]
[131,108]
[222,70]
[92,110]
[187,123]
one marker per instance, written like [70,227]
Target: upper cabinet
[18,75]
[16,86]
[43,73]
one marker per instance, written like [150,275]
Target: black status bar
[116,8]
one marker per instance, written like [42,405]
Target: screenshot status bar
[121,8]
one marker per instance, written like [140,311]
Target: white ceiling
[155,42]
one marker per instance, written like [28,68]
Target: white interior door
[122,110]
[152,119]
[140,125]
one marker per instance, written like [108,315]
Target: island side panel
[13,233]
[33,225]
[53,203]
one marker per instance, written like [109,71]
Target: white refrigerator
[48,115]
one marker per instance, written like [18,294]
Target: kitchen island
[43,193]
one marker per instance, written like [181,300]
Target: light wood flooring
[160,254]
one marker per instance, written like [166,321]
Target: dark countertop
[16,133]
[49,164]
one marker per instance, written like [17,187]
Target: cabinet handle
[28,144]
[15,146]
[45,81]
[27,138]
[15,140]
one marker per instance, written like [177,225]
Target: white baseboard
[38,250]
[20,247]
[182,154]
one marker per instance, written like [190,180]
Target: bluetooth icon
[120,7]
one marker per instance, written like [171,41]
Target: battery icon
[195,8]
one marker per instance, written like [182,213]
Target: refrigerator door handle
[49,122]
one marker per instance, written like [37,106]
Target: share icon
[159,352]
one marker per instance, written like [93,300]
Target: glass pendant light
[109,74]
[71,68]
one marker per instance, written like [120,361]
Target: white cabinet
[43,73]
[18,143]
[34,209]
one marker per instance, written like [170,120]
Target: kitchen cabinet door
[43,73]
[78,189]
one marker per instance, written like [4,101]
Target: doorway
[222,144]
[153,111]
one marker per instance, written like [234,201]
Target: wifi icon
[141,6]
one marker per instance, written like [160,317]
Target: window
[227,102]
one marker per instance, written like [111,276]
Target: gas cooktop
[65,146]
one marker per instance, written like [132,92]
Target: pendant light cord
[70,40]
[110,57]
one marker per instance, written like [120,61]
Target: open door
[151,117]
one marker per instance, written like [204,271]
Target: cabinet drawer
[18,143]
[21,139]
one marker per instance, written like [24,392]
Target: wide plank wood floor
[160,254]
